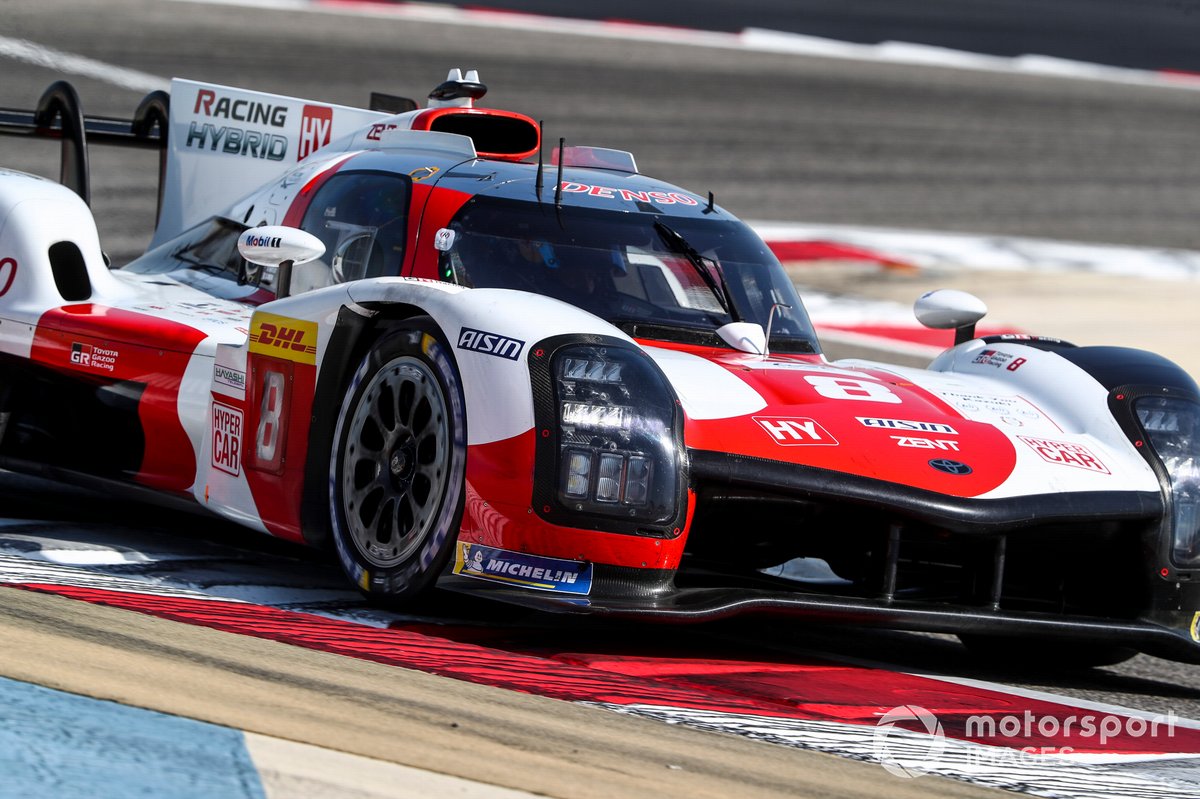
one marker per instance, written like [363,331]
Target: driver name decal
[527,571]
[490,343]
[1065,453]
[283,337]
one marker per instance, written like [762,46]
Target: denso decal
[226,438]
[1065,453]
[795,431]
[8,273]
[905,424]
[609,193]
[89,357]
[517,568]
[316,126]
[283,337]
[926,443]
[490,343]
[235,140]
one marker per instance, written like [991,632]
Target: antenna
[709,209]
[537,185]
[558,186]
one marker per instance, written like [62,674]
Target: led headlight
[1173,427]
[616,445]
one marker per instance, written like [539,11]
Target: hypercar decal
[1066,453]
[227,424]
[527,571]
[283,337]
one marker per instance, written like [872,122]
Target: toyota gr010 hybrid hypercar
[407,335]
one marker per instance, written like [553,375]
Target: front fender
[490,332]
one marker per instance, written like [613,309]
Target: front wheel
[397,465]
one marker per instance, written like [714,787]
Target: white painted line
[41,56]
[289,769]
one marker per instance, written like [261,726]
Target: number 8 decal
[271,401]
[844,388]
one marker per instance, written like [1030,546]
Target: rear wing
[216,143]
[59,115]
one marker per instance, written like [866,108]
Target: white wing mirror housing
[744,336]
[282,247]
[950,309]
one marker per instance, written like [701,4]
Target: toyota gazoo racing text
[454,356]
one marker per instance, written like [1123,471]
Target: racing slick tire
[397,465]
[1042,654]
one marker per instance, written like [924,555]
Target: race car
[406,334]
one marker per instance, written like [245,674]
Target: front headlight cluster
[1173,427]
[616,447]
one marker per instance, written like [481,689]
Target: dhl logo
[283,337]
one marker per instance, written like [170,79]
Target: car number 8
[842,388]
[269,418]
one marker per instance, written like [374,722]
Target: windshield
[618,266]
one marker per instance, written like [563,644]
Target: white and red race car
[405,335]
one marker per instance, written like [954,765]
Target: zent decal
[8,273]
[527,571]
[282,337]
[926,443]
[794,432]
[842,388]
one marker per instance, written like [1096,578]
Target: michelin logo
[527,571]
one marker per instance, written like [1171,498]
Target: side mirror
[950,309]
[280,247]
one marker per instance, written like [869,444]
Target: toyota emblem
[950,467]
